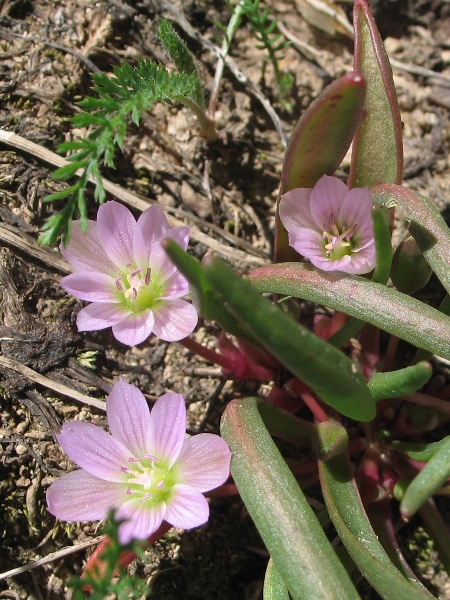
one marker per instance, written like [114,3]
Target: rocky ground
[226,191]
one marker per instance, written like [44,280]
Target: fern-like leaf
[123,96]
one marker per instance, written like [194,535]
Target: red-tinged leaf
[377,149]
[320,141]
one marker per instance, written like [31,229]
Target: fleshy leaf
[427,226]
[274,587]
[377,149]
[356,533]
[427,482]
[334,117]
[323,367]
[374,303]
[400,383]
[286,522]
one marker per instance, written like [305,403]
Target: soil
[226,190]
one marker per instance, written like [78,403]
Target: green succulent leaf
[323,367]
[400,383]
[374,303]
[377,155]
[286,522]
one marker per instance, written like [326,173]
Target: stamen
[160,485]
[144,498]
[133,459]
[330,220]
[134,294]
[151,457]
[118,284]
[125,470]
[129,492]
[147,276]
[136,271]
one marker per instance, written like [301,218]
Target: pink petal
[356,209]
[94,450]
[141,522]
[175,286]
[134,328]
[204,462]
[128,416]
[92,287]
[159,261]
[174,320]
[99,316]
[294,209]
[85,251]
[307,242]
[326,199]
[187,508]
[79,496]
[115,227]
[167,428]
[151,227]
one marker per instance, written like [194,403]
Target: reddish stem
[207,353]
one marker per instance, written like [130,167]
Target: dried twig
[59,388]
[52,557]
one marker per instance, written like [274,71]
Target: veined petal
[115,227]
[175,286]
[92,287]
[141,522]
[187,507]
[307,242]
[159,261]
[174,319]
[134,328]
[99,316]
[167,428]
[85,252]
[356,209]
[294,209]
[326,199]
[94,450]
[128,416]
[204,462]
[79,496]
[151,227]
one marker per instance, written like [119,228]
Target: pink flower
[122,269]
[331,225]
[145,469]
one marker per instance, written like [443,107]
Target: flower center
[147,480]
[339,239]
[138,288]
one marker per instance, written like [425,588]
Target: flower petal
[115,227]
[151,227]
[167,428]
[92,287]
[294,209]
[128,416]
[94,450]
[187,507]
[79,496]
[99,316]
[159,261]
[356,209]
[326,199]
[141,522]
[174,320]
[134,328]
[85,252]
[204,462]
[175,286]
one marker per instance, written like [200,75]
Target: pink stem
[207,353]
